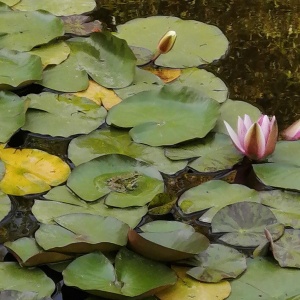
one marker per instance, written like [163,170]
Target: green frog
[124,183]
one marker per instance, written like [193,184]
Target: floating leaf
[29,253]
[10,2]
[62,115]
[131,276]
[18,69]
[14,277]
[16,295]
[265,280]
[167,241]
[230,110]
[100,95]
[166,75]
[24,30]
[286,250]
[286,152]
[143,55]
[215,153]
[214,195]
[162,204]
[125,181]
[187,288]
[4,7]
[217,262]
[205,82]
[81,25]
[82,233]
[243,223]
[12,114]
[5,205]
[30,171]
[52,53]
[207,45]
[58,8]
[160,117]
[105,58]
[113,141]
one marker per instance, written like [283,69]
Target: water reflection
[262,64]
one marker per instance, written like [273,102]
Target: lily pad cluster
[149,196]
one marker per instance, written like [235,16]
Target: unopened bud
[165,44]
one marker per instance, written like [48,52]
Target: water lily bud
[255,140]
[292,133]
[165,44]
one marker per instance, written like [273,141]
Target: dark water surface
[262,66]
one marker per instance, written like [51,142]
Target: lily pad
[196,44]
[10,2]
[16,295]
[132,275]
[52,53]
[31,171]
[160,117]
[62,115]
[24,30]
[217,262]
[4,7]
[114,141]
[18,69]
[105,58]
[214,152]
[230,110]
[265,280]
[58,8]
[286,250]
[5,205]
[243,223]
[167,241]
[214,195]
[205,82]
[142,55]
[82,233]
[29,253]
[12,114]
[14,277]
[187,288]
[125,181]
[47,211]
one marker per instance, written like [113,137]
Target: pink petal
[264,123]
[234,137]
[241,131]
[272,138]
[292,133]
[247,121]
[255,143]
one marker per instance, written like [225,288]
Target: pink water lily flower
[255,140]
[292,133]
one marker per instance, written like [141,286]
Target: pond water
[262,66]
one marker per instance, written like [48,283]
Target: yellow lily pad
[165,74]
[100,95]
[31,171]
[187,288]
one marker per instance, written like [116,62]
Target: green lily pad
[14,277]
[62,115]
[162,204]
[24,30]
[82,233]
[286,152]
[47,211]
[5,205]
[196,44]
[160,117]
[214,195]
[142,81]
[143,55]
[10,2]
[243,223]
[167,241]
[284,205]
[214,152]
[286,250]
[16,295]
[29,253]
[105,58]
[230,110]
[265,280]
[114,141]
[12,114]
[18,69]
[4,7]
[131,276]
[125,181]
[217,262]
[205,82]
[58,8]
[52,53]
